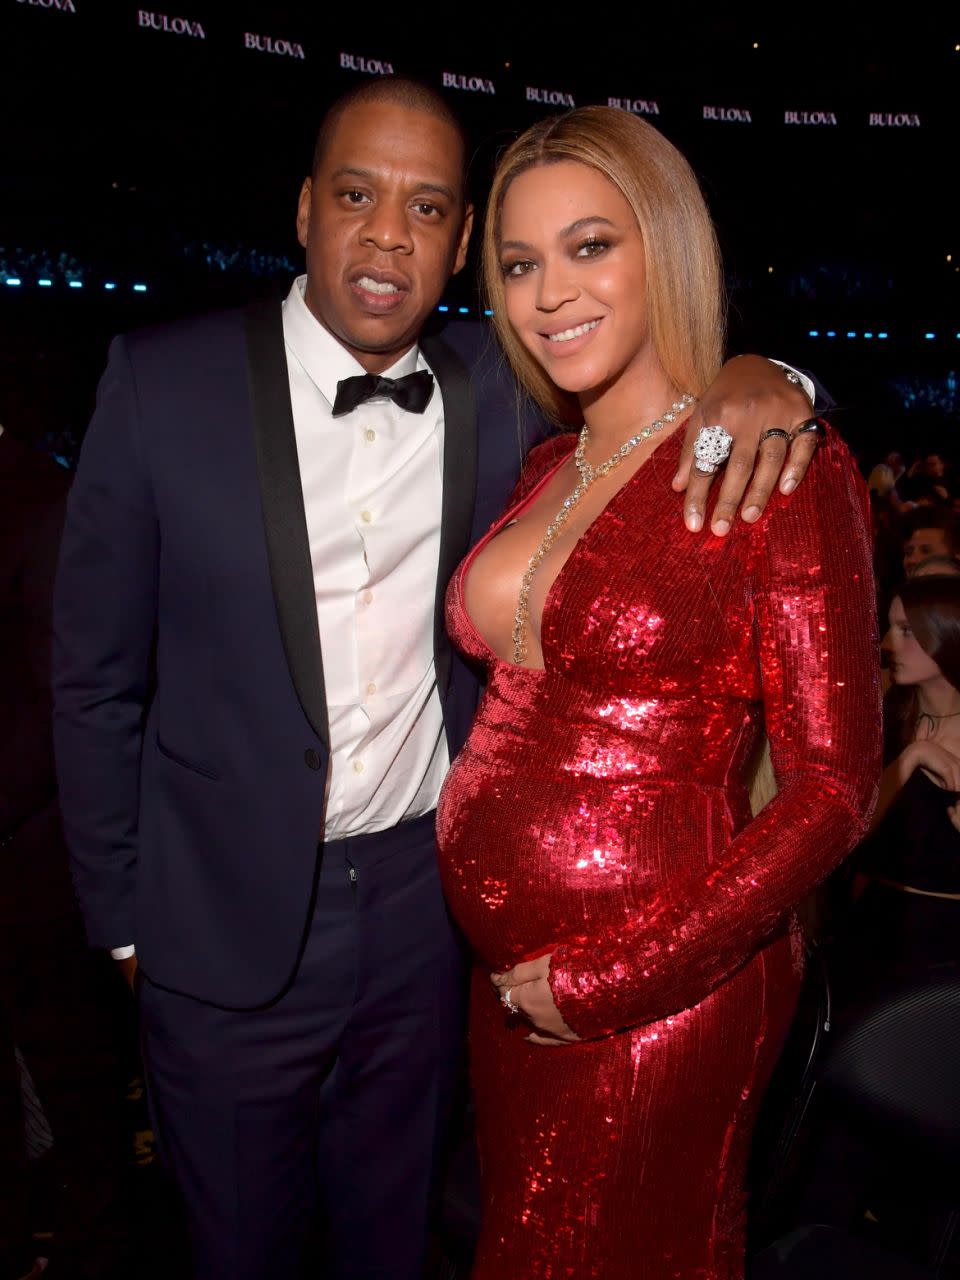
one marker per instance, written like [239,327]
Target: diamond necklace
[588,475]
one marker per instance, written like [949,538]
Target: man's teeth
[374,286]
[567,334]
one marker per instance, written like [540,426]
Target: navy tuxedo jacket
[190,717]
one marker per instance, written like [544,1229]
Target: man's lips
[378,290]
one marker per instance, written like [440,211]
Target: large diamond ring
[712,448]
[508,1003]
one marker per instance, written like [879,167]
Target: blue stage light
[13,280]
[868,335]
[464,311]
[45,284]
[443,308]
[851,334]
[109,285]
[814,333]
[882,335]
[831,333]
[75,284]
[929,336]
[139,288]
[490,313]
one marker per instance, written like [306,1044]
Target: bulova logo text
[550,97]
[370,66]
[809,117]
[177,26]
[473,84]
[732,115]
[65,6]
[639,106]
[891,120]
[267,44]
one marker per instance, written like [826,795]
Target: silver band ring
[775,431]
[711,449]
[811,424]
[508,1003]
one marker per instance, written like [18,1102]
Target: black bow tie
[412,392]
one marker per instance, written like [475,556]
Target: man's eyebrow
[368,175]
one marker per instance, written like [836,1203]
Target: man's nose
[387,227]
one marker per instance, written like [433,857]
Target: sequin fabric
[599,812]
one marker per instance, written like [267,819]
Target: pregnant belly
[530,859]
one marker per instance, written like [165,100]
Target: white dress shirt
[372,488]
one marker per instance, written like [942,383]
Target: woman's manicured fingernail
[751,514]
[788,485]
[694,521]
[720,527]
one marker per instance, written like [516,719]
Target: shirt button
[371,688]
[367,597]
[311,758]
[366,516]
[370,435]
[358,766]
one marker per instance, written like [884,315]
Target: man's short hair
[936,517]
[400,91]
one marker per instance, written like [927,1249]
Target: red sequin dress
[599,812]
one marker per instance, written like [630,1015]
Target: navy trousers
[335,1097]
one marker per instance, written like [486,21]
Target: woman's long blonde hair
[685,297]
[685,302]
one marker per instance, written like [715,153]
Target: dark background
[136,156]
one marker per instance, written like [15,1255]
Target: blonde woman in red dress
[596,835]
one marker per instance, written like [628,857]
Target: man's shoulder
[474,344]
[194,339]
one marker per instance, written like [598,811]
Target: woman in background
[907,918]
[596,836]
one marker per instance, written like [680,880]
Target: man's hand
[530,992]
[128,967]
[749,396]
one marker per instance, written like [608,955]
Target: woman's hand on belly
[529,988]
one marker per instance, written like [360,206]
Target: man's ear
[464,244]
[303,211]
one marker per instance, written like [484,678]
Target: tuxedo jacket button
[312,758]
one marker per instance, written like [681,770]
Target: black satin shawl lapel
[284,518]
[459,482]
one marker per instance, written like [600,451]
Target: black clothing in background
[34,876]
[49,1005]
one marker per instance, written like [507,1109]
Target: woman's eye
[519,268]
[592,248]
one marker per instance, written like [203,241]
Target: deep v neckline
[511,514]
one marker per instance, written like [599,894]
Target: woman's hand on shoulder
[749,396]
[942,762]
[529,987]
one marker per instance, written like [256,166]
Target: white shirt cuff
[123,953]
[805,382]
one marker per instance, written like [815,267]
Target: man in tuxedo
[48,1004]
[257,703]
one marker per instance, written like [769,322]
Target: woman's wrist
[907,762]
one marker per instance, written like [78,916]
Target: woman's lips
[568,341]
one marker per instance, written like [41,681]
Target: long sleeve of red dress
[811,592]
